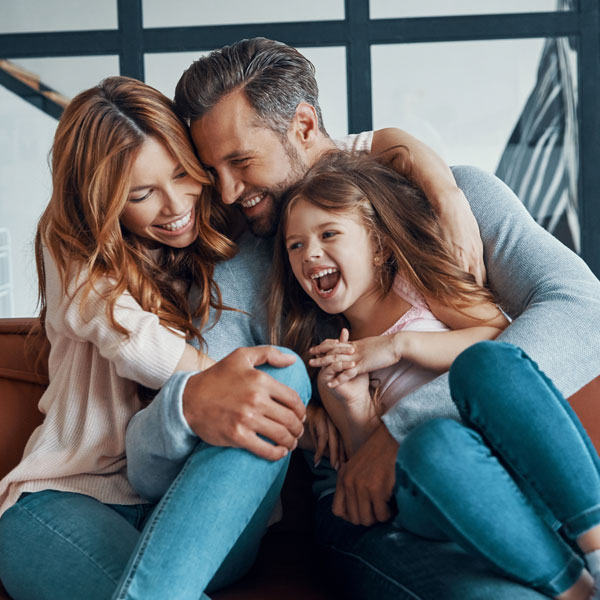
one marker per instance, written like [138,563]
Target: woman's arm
[430,173]
[193,360]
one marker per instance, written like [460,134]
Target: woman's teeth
[175,225]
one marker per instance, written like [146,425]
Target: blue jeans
[203,534]
[479,487]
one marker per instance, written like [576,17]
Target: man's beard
[265,224]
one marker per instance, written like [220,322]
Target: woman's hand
[325,437]
[346,360]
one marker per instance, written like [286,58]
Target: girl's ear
[382,254]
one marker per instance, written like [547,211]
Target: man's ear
[305,125]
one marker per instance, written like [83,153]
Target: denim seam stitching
[568,525]
[549,585]
[389,579]
[69,541]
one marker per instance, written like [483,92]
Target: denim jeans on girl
[202,535]
[480,483]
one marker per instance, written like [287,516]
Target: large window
[512,86]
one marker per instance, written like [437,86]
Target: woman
[129,227]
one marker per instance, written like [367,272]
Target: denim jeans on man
[203,534]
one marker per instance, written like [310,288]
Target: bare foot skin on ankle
[582,589]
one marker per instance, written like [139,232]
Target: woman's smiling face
[332,256]
[162,198]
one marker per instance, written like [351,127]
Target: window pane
[163,71]
[506,106]
[71,75]
[22,16]
[158,13]
[24,192]
[384,9]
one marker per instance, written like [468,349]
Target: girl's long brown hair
[95,145]
[403,226]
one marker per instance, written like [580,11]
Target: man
[255,120]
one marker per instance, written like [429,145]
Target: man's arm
[550,293]
[426,169]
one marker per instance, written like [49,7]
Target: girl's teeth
[322,273]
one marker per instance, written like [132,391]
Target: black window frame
[357,32]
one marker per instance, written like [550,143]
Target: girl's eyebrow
[329,224]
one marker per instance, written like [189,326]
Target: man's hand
[462,234]
[232,404]
[366,482]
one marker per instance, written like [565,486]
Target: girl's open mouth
[325,281]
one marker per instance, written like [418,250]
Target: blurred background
[511,86]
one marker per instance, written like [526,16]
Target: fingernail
[317,463]
[336,466]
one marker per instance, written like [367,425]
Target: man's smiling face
[251,164]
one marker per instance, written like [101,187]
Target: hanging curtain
[541,160]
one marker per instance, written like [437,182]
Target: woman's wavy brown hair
[95,145]
[403,226]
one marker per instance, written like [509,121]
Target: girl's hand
[325,436]
[349,406]
[346,360]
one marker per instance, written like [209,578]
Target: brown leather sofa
[286,566]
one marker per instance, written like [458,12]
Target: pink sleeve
[406,291]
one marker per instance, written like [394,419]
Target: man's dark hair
[275,78]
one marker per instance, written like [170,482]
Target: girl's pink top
[402,378]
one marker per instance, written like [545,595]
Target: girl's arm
[350,408]
[436,350]
[431,174]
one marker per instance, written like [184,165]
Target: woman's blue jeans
[202,535]
[491,483]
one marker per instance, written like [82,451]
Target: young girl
[360,250]
[130,226]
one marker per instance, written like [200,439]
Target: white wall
[26,135]
[463,98]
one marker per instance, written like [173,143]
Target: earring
[376,261]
